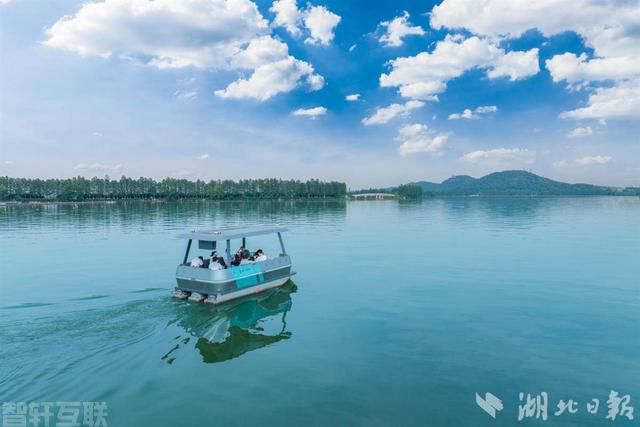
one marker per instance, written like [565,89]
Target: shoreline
[348,198]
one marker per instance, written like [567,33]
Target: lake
[399,314]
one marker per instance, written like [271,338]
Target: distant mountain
[515,182]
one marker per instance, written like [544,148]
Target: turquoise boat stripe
[247,275]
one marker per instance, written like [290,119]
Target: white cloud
[575,69]
[425,75]
[515,65]
[172,34]
[185,94]
[204,156]
[96,167]
[321,23]
[621,101]
[310,112]
[352,97]
[466,114]
[384,114]
[397,29]
[473,114]
[287,15]
[353,47]
[260,51]
[580,132]
[584,161]
[606,26]
[208,34]
[484,109]
[9,162]
[417,138]
[273,78]
[610,28]
[5,1]
[500,156]
[593,160]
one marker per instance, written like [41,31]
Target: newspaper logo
[489,404]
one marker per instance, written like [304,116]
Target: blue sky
[239,89]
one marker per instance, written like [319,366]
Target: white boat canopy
[230,233]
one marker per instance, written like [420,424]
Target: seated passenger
[236,260]
[246,254]
[214,264]
[240,251]
[260,256]
[197,262]
[222,263]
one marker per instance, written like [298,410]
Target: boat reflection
[235,328]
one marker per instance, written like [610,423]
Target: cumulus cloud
[575,69]
[609,28]
[171,34]
[580,132]
[384,114]
[500,157]
[352,97]
[593,160]
[207,34]
[417,138]
[288,16]
[318,21]
[204,156]
[310,112]
[469,114]
[397,29]
[321,23]
[273,78]
[515,65]
[621,101]
[425,75]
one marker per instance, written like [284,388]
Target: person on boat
[222,263]
[240,251]
[214,264]
[260,256]
[237,259]
[248,260]
[197,262]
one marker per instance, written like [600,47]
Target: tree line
[80,189]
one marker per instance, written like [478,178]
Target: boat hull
[235,282]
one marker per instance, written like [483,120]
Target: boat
[219,286]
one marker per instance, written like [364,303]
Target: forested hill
[515,183]
[81,189]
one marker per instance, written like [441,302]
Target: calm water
[399,314]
